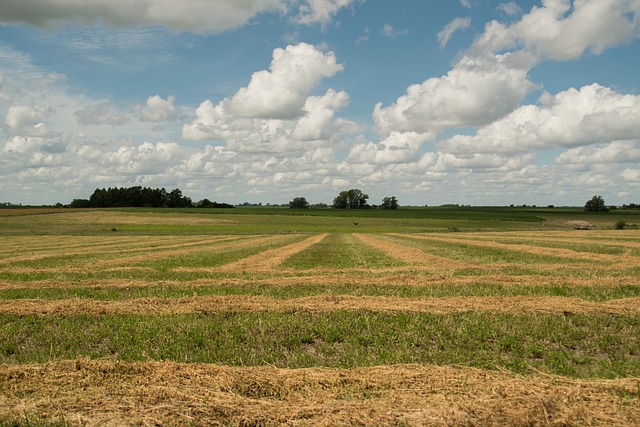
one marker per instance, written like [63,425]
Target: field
[270,316]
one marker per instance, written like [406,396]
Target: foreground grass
[390,289]
[603,346]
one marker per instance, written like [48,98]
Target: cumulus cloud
[157,109]
[475,92]
[275,112]
[190,15]
[102,113]
[510,8]
[21,118]
[146,158]
[396,148]
[564,30]
[614,152]
[321,11]
[318,123]
[186,15]
[390,32]
[281,91]
[572,118]
[452,27]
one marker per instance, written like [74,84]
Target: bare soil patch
[320,303]
[112,393]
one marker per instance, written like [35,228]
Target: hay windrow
[320,303]
[410,255]
[269,259]
[102,392]
[537,250]
[113,392]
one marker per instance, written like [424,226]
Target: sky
[480,102]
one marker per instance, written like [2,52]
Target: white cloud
[390,32]
[318,123]
[190,15]
[275,113]
[466,4]
[475,92]
[211,16]
[510,8]
[146,158]
[614,152]
[572,118]
[564,30]
[396,148]
[102,113]
[157,109]
[281,92]
[452,27]
[321,11]
[21,118]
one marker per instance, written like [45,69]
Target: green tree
[596,204]
[299,203]
[351,199]
[389,203]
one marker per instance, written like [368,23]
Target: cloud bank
[483,130]
[212,16]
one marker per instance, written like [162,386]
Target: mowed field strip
[132,323]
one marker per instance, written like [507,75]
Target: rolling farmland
[132,317]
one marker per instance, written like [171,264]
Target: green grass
[251,220]
[575,346]
[463,251]
[340,251]
[306,289]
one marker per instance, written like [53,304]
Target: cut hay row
[147,252]
[250,301]
[107,218]
[321,303]
[98,393]
[71,247]
[409,255]
[541,239]
[525,248]
[407,276]
[270,259]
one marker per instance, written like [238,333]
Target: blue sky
[482,102]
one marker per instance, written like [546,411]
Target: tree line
[141,197]
[349,199]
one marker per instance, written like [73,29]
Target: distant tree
[596,204]
[299,203]
[80,203]
[351,199]
[389,203]
[176,200]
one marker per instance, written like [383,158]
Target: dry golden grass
[112,393]
[322,303]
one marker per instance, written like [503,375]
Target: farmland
[271,316]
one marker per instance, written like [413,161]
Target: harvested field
[322,303]
[97,393]
[172,326]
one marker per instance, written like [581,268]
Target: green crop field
[274,316]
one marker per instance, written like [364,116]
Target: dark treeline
[142,197]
